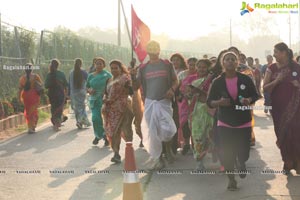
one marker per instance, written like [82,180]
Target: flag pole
[126,23]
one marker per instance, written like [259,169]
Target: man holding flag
[159,81]
[140,36]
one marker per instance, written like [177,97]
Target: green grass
[21,128]
[43,116]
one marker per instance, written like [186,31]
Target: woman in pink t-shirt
[232,93]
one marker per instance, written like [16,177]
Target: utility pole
[119,22]
[230,33]
[55,49]
[0,42]
[38,57]
[17,42]
[299,27]
[290,32]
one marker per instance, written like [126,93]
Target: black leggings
[57,108]
[186,131]
[235,143]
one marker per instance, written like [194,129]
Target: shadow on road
[293,186]
[41,141]
[109,186]
[80,165]
[187,186]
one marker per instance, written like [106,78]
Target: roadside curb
[10,121]
[18,119]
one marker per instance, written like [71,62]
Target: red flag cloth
[140,36]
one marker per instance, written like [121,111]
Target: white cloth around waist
[158,125]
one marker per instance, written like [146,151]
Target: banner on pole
[140,34]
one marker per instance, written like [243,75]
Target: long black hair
[28,70]
[77,76]
[289,52]
[218,69]
[53,68]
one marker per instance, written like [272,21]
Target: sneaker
[232,185]
[95,141]
[141,144]
[65,118]
[116,158]
[79,125]
[266,111]
[185,149]
[243,170]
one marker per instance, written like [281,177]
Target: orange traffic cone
[132,189]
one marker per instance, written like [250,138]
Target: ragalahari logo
[246,8]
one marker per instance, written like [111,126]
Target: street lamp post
[299,26]
[230,33]
[290,32]
[0,42]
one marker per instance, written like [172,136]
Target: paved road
[65,165]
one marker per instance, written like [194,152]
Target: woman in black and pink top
[233,93]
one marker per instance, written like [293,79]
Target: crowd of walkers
[201,105]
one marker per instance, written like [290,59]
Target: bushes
[14,106]
[1,111]
[8,108]
[44,99]
[17,105]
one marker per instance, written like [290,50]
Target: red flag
[140,36]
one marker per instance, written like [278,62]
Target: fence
[19,46]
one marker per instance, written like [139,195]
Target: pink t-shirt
[231,85]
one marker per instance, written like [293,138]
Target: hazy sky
[180,19]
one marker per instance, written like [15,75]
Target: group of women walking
[108,98]
[205,105]
[209,98]
[30,89]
